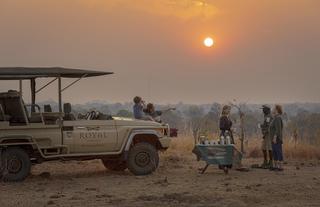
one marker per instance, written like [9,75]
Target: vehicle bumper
[165,142]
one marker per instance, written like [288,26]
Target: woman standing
[226,123]
[276,132]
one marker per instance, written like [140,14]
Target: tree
[175,119]
[125,113]
[305,126]
[195,119]
[240,109]
[210,122]
[104,109]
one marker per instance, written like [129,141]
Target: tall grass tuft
[290,150]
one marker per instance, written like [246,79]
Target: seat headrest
[47,108]
[67,108]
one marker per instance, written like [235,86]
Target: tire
[143,159]
[114,165]
[16,164]
[221,167]
[226,170]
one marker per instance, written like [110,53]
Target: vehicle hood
[120,121]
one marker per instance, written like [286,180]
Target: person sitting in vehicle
[138,107]
[151,112]
[225,123]
[155,114]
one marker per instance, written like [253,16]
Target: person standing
[266,141]
[225,123]
[276,135]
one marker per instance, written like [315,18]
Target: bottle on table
[222,140]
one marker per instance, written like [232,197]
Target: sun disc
[208,42]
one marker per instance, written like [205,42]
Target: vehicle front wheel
[114,165]
[143,159]
[16,164]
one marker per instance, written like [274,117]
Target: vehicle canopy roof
[32,73]
[23,73]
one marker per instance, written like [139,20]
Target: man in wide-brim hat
[266,140]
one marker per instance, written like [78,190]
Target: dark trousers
[277,152]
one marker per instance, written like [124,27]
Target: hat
[264,106]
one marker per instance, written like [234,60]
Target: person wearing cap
[266,145]
[225,122]
[276,134]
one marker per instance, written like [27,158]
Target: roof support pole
[40,89]
[60,107]
[20,87]
[73,82]
[33,94]
[59,94]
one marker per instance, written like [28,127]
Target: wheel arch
[148,136]
[24,142]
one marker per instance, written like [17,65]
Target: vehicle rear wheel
[114,165]
[143,159]
[16,164]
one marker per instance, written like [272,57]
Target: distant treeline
[302,120]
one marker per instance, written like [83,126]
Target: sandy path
[176,183]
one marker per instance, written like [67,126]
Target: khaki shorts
[266,144]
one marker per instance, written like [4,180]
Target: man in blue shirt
[138,108]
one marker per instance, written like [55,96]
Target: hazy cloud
[185,9]
[266,51]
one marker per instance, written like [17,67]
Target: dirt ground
[176,183]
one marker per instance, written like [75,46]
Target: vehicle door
[90,136]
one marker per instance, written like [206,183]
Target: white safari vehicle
[34,135]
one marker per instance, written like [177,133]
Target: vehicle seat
[13,109]
[48,119]
[3,116]
[68,116]
[35,118]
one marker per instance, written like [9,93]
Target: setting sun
[208,42]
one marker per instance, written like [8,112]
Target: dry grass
[291,151]
[183,145]
[179,152]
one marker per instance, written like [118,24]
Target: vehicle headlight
[161,131]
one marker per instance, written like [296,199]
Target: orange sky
[266,51]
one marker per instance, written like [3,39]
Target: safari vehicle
[35,135]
